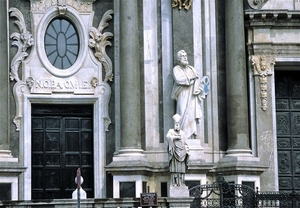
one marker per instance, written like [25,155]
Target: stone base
[179,202]
[5,156]
[242,164]
[179,191]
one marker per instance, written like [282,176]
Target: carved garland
[263,67]
[99,41]
[84,6]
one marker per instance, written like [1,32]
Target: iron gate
[221,194]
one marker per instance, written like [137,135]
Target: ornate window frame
[71,15]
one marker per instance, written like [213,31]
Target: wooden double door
[287,91]
[62,142]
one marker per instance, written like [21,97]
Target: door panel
[61,145]
[287,88]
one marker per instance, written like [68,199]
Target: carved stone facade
[107,66]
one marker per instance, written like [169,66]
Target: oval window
[61,43]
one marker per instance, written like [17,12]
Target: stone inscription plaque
[148,199]
[67,86]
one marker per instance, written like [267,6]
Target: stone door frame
[100,125]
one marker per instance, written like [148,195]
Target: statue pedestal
[179,197]
[179,191]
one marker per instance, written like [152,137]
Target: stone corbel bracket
[257,4]
[20,88]
[263,67]
[22,40]
[99,41]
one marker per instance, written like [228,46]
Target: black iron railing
[222,194]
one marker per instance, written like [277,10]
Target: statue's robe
[186,92]
[178,153]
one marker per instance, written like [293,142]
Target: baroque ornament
[43,5]
[22,40]
[99,41]
[182,3]
[257,4]
[263,67]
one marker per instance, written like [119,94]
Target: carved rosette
[99,41]
[263,67]
[186,4]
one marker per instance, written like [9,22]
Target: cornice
[278,18]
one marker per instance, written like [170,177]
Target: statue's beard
[184,62]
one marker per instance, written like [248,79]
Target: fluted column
[129,78]
[237,99]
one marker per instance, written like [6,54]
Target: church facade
[88,84]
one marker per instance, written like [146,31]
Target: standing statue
[188,92]
[178,153]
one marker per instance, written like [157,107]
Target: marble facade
[124,70]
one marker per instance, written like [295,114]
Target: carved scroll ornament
[22,40]
[257,4]
[263,67]
[182,3]
[99,41]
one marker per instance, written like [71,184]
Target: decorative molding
[99,41]
[180,3]
[263,67]
[257,4]
[43,5]
[22,40]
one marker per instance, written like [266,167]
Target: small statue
[178,153]
[188,91]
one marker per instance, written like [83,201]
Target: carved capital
[99,41]
[257,4]
[263,67]
[186,4]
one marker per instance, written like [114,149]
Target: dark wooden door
[62,142]
[287,87]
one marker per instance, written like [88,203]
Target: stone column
[239,161]
[130,78]
[237,103]
[5,152]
